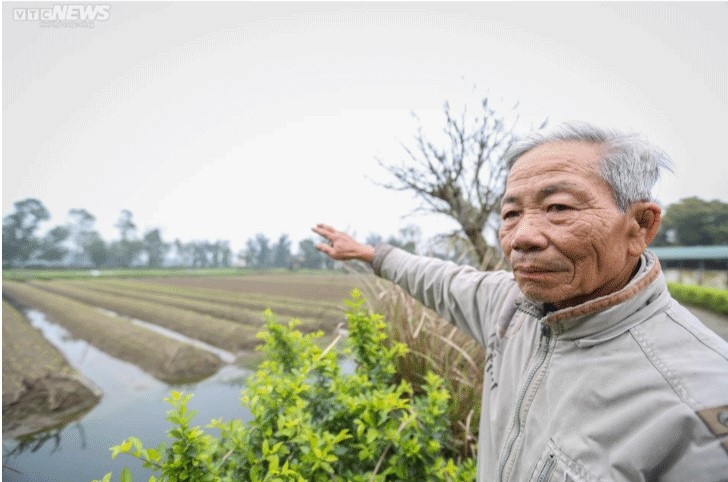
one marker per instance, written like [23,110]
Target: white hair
[631,165]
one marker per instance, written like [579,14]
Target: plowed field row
[218,332]
[212,310]
[227,296]
[258,298]
[327,288]
[161,356]
[223,312]
[39,387]
[218,303]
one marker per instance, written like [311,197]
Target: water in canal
[132,405]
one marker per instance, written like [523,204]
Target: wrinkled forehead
[563,155]
[562,163]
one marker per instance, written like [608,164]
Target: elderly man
[594,373]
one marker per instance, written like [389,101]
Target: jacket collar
[608,316]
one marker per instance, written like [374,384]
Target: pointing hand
[342,246]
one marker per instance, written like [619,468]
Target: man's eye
[557,208]
[509,214]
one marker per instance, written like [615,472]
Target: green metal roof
[690,252]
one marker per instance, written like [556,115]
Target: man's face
[562,231]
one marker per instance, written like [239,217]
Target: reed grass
[438,346]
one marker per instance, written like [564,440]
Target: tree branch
[465,179]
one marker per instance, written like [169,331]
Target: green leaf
[300,401]
[126,475]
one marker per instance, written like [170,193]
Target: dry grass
[436,345]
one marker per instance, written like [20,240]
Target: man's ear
[644,218]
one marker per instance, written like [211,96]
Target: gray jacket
[627,387]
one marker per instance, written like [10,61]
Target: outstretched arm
[469,298]
[342,246]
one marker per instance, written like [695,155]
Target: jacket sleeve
[469,298]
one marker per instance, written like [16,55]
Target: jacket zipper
[516,432]
[546,470]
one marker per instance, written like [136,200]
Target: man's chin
[540,294]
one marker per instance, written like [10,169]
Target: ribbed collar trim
[568,318]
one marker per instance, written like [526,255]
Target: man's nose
[529,234]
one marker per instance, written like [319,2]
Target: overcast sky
[223,120]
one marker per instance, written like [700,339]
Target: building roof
[690,252]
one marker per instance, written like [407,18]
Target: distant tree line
[694,222]
[77,244]
[689,222]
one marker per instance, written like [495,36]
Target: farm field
[176,328]
[37,381]
[319,288]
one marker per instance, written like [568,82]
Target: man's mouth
[535,270]
[529,268]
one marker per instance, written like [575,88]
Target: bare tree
[464,178]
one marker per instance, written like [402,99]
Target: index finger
[324,230]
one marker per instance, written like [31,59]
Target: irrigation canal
[132,405]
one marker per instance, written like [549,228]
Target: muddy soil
[243,308]
[224,334]
[334,288]
[40,390]
[164,358]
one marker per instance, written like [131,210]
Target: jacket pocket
[555,466]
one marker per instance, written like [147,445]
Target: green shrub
[701,296]
[435,345]
[311,422]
